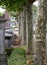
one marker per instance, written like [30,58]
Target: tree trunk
[24,25]
[30,26]
[21,27]
[39,57]
[19,18]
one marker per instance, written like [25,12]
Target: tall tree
[24,25]
[22,31]
[41,34]
[34,13]
[30,26]
[23,21]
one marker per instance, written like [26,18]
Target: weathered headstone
[2,41]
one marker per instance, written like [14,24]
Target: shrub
[9,51]
[18,57]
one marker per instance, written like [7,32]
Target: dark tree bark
[24,25]
[30,25]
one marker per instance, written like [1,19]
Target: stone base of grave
[3,59]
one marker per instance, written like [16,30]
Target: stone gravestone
[2,41]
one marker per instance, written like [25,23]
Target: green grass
[8,51]
[24,47]
[18,57]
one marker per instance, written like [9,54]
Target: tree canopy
[13,5]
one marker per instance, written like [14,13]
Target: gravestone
[3,60]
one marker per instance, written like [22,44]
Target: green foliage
[13,5]
[18,57]
[9,51]
[1,14]
[24,47]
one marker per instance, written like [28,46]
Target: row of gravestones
[3,60]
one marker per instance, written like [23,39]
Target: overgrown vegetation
[13,5]
[18,57]
[9,51]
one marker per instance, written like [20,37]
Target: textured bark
[26,30]
[30,26]
[24,26]
[21,27]
[19,20]
[39,58]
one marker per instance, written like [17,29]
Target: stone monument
[3,60]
